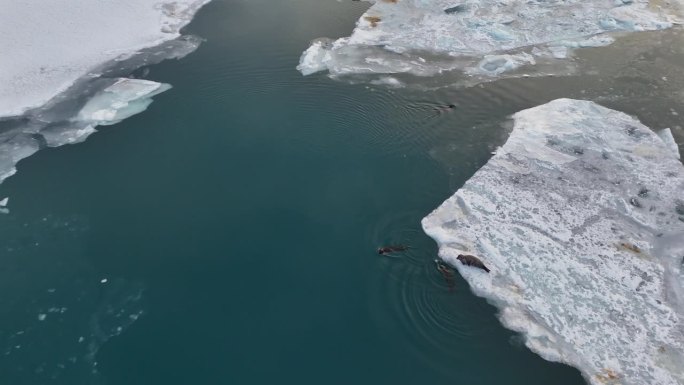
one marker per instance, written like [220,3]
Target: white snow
[580,217]
[45,46]
[395,33]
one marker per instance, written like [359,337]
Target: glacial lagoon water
[228,233]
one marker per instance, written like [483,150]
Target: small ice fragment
[103,280]
[4,201]
[666,135]
[41,317]
[124,98]
[80,339]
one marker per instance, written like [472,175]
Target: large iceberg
[580,217]
[479,37]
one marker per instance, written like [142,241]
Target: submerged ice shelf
[580,217]
[479,37]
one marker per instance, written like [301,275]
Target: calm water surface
[227,235]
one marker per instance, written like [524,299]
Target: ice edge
[580,217]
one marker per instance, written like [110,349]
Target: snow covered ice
[120,100]
[580,217]
[47,45]
[479,37]
[64,65]
[124,98]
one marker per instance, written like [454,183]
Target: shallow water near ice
[228,233]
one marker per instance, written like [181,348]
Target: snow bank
[47,45]
[580,217]
[396,36]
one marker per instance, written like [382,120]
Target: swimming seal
[447,274]
[392,249]
[471,260]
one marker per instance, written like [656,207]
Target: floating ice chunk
[58,135]
[12,150]
[316,57]
[580,217]
[475,29]
[42,316]
[559,52]
[666,135]
[121,100]
[594,41]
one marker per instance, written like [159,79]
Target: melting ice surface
[479,37]
[580,217]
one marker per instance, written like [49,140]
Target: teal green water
[227,235]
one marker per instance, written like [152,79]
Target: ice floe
[65,67]
[580,217]
[47,45]
[124,98]
[120,99]
[479,37]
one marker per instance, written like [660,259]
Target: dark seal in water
[392,249]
